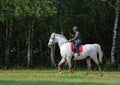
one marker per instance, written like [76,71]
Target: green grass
[52,77]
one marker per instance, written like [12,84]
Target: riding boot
[77,52]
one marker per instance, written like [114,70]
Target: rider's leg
[76,48]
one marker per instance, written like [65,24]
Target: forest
[26,26]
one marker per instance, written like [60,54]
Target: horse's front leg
[70,66]
[59,65]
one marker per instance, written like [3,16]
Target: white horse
[89,52]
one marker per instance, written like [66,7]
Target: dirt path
[104,75]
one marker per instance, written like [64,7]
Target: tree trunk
[7,47]
[32,31]
[53,64]
[115,32]
[8,34]
[28,50]
[29,42]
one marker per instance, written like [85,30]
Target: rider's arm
[75,37]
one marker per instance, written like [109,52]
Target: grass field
[52,77]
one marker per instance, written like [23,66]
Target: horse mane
[61,36]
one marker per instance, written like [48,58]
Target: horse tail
[100,53]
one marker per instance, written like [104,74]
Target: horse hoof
[101,75]
[86,73]
[60,73]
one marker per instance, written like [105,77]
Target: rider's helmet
[75,28]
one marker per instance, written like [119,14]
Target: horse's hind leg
[70,66]
[88,61]
[98,64]
[60,63]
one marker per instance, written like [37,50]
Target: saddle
[72,47]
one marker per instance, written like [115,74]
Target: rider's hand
[71,35]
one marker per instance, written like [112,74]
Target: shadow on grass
[49,83]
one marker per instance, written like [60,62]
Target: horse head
[51,40]
[51,44]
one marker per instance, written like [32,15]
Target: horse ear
[54,32]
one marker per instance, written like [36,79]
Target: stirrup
[76,55]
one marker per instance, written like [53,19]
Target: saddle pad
[80,47]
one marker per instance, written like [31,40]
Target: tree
[115,31]
[27,11]
[7,14]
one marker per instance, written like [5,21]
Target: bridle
[52,42]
